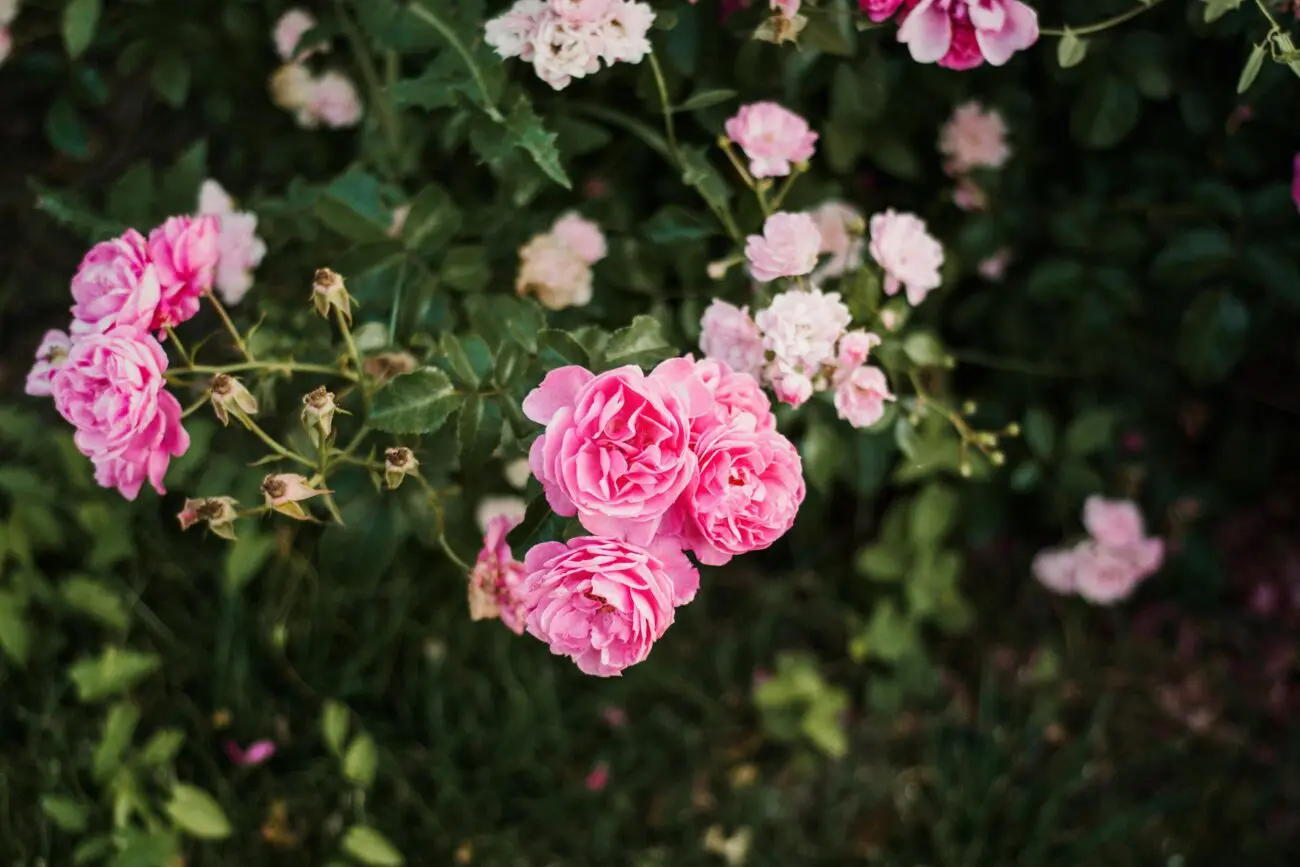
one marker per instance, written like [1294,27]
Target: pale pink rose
[185,252]
[734,393]
[728,334]
[1054,568]
[616,450]
[746,494]
[334,101]
[111,389]
[994,268]
[787,248]
[860,395]
[1295,180]
[879,10]
[625,35]
[841,227]
[496,582]
[962,34]
[791,387]
[580,11]
[50,356]
[801,328]
[563,52]
[1113,522]
[581,235]
[213,199]
[491,508]
[598,778]
[603,602]
[909,254]
[511,34]
[968,196]
[772,137]
[554,272]
[115,286]
[855,346]
[786,8]
[289,30]
[974,138]
[239,249]
[1105,574]
[257,753]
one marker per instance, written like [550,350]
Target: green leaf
[1071,50]
[114,670]
[433,221]
[540,524]
[67,813]
[458,360]
[334,726]
[353,207]
[65,129]
[822,453]
[162,747]
[415,403]
[705,98]
[824,33]
[360,761]
[197,813]
[1216,9]
[95,848]
[1040,433]
[933,513]
[15,636]
[887,148]
[465,268]
[1275,271]
[642,343]
[370,847]
[119,728]
[245,557]
[881,562]
[698,172]
[822,723]
[557,349]
[526,132]
[1254,62]
[1089,433]
[924,348]
[1105,112]
[479,430]
[1194,255]
[890,635]
[511,364]
[1214,335]
[171,78]
[80,18]
[142,849]
[675,223]
[131,198]
[95,600]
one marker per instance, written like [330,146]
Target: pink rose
[791,387]
[994,268]
[554,272]
[746,494]
[909,254]
[239,249]
[861,394]
[1054,568]
[511,34]
[625,34]
[334,101]
[111,389]
[1105,574]
[185,252]
[497,579]
[855,346]
[50,356]
[801,328]
[1113,522]
[734,394]
[728,334]
[879,10]
[257,753]
[962,34]
[580,11]
[581,235]
[616,450]
[772,138]
[289,31]
[115,286]
[562,52]
[841,227]
[602,602]
[788,247]
[974,138]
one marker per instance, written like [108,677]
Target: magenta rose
[495,580]
[185,251]
[602,602]
[616,450]
[111,388]
[746,494]
[115,286]
[733,393]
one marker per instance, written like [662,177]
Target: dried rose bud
[386,365]
[398,464]
[291,86]
[283,492]
[329,293]
[218,512]
[781,27]
[318,410]
[230,396]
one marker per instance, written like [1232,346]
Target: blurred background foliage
[888,685]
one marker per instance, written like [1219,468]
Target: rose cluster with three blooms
[684,458]
[107,374]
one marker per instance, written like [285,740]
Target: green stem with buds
[1090,29]
[273,366]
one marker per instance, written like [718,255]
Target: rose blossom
[603,602]
[973,139]
[624,35]
[554,272]
[1104,574]
[1112,522]
[115,285]
[786,8]
[791,387]
[616,450]
[772,137]
[860,395]
[6,44]
[855,346]
[581,235]
[568,39]
[909,254]
[50,356]
[289,30]
[111,389]
[879,10]
[580,11]
[787,248]
[185,252]
[257,753]
[563,52]
[802,327]
[239,249]
[841,227]
[962,34]
[734,394]
[333,101]
[746,493]
[1054,569]
[511,33]
[728,334]
[497,578]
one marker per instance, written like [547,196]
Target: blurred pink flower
[257,753]
[962,34]
[614,717]
[994,268]
[581,235]
[802,329]
[289,30]
[598,778]
[860,395]
[728,334]
[841,226]
[772,137]
[50,356]
[239,248]
[910,256]
[788,247]
[496,580]
[974,138]
[334,101]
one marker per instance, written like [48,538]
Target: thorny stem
[1102,25]
[230,326]
[419,10]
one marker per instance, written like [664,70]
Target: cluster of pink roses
[800,344]
[107,375]
[685,458]
[568,39]
[239,249]
[556,265]
[329,99]
[959,34]
[973,138]
[1108,565]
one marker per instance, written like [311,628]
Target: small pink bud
[330,293]
[230,396]
[398,464]
[318,410]
[257,753]
[615,717]
[283,492]
[219,513]
[598,778]
[855,346]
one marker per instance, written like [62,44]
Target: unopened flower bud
[291,86]
[969,408]
[518,473]
[964,469]
[398,464]
[283,492]
[329,293]
[1013,429]
[218,512]
[890,319]
[779,29]
[230,396]
[717,270]
[318,410]
[998,458]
